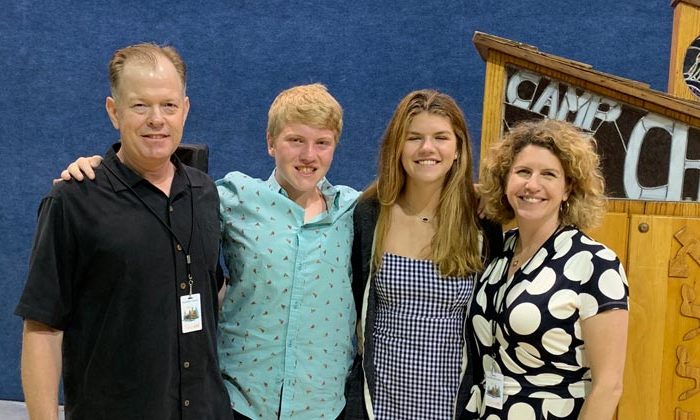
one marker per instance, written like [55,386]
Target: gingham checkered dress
[418,336]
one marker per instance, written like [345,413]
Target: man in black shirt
[121,294]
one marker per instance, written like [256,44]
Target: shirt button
[187,403]
[179,248]
[183,285]
[186,365]
[171,208]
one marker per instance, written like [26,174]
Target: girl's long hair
[456,246]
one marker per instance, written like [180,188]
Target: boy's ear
[270,145]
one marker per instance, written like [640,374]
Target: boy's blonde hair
[311,105]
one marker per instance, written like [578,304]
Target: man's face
[303,155]
[149,111]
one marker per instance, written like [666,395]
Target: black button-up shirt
[110,275]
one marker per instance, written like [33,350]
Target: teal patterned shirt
[288,319]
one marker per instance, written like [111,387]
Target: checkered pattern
[418,337]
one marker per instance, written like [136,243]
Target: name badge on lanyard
[493,392]
[191,313]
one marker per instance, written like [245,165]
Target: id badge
[190,313]
[493,394]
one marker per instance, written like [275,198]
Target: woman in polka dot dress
[549,315]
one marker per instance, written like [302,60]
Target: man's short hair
[311,105]
[144,53]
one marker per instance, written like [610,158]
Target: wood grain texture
[682,338]
[602,83]
[492,119]
[646,273]
[686,28]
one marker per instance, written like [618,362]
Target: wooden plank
[676,3]
[682,341]
[648,254]
[671,208]
[686,27]
[613,233]
[486,43]
[660,208]
[625,206]
[493,106]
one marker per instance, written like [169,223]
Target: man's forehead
[140,65]
[144,74]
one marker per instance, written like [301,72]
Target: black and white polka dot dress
[536,316]
[419,339]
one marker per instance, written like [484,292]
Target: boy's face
[303,155]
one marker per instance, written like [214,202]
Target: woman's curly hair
[575,150]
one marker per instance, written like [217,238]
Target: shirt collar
[132,178]
[326,188]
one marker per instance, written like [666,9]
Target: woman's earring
[564,207]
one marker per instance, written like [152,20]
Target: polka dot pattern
[610,286]
[562,304]
[535,262]
[560,408]
[528,356]
[512,366]
[521,411]
[556,341]
[524,318]
[543,282]
[482,330]
[579,267]
[544,379]
[537,315]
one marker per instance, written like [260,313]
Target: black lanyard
[188,259]
[500,304]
